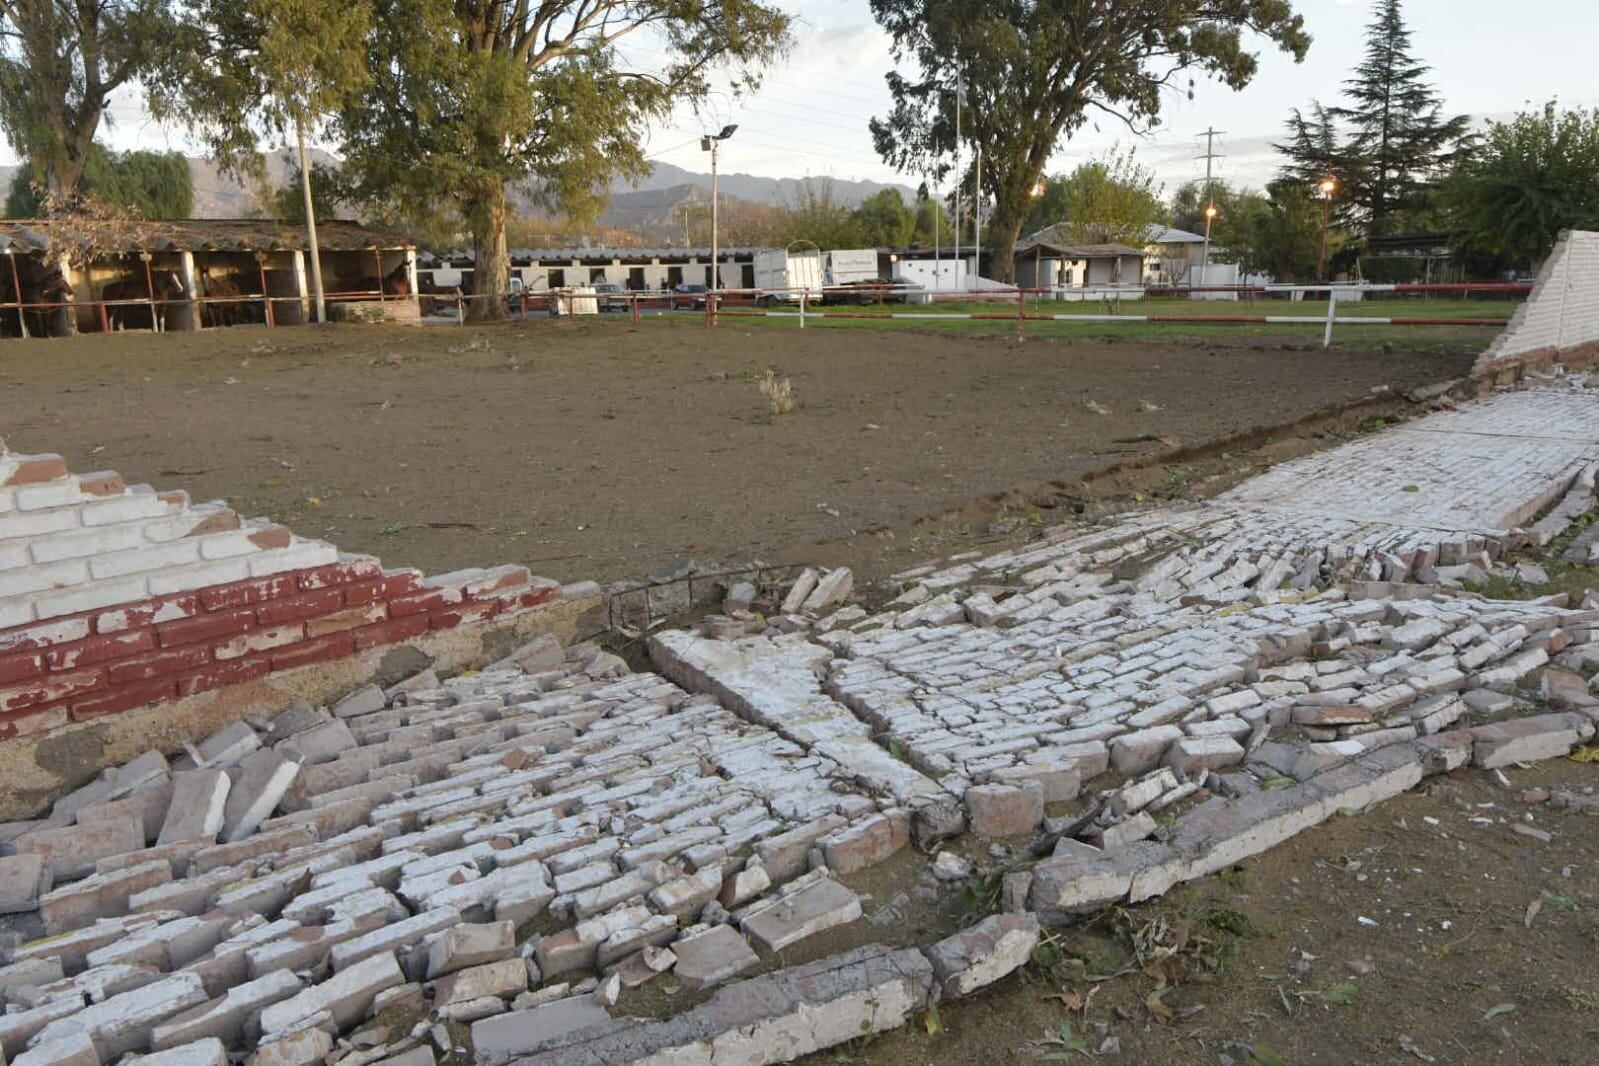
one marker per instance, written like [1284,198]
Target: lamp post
[710,143]
[1204,258]
[1327,186]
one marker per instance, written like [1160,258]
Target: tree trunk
[491,266]
[1005,229]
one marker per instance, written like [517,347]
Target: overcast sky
[1488,58]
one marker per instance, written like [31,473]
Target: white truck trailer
[787,274]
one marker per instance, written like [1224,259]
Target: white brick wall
[1563,310]
[63,550]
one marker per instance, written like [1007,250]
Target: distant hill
[759,190]
[653,207]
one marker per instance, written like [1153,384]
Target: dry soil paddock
[603,450]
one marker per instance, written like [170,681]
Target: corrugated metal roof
[212,234]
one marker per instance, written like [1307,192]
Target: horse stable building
[60,277]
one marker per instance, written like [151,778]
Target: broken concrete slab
[977,957]
[23,879]
[346,996]
[795,915]
[199,801]
[72,851]
[711,956]
[778,1017]
[507,1036]
[264,778]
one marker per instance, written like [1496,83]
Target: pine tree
[1399,133]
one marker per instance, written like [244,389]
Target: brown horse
[396,282]
[46,287]
[162,288]
[227,305]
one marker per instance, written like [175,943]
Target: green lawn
[1314,312]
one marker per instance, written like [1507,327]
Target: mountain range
[652,206]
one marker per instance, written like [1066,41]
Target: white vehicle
[851,266]
[790,273]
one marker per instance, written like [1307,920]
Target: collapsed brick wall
[1560,319]
[114,597]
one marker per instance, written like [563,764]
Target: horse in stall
[396,282]
[162,287]
[46,287]
[228,305]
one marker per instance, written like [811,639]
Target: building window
[596,274]
[557,278]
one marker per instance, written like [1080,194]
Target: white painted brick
[63,493]
[299,556]
[89,597]
[125,509]
[13,554]
[172,527]
[198,576]
[158,557]
[83,542]
[35,523]
[16,612]
[226,545]
[39,578]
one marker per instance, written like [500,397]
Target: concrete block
[229,1017]
[125,1022]
[346,996]
[264,779]
[320,743]
[1137,752]
[977,957]
[504,979]
[712,956]
[796,915]
[199,801]
[74,1050]
[1192,754]
[72,851]
[366,700]
[228,746]
[1005,810]
[207,1052]
[467,945]
[308,1047]
[82,903]
[23,879]
[507,1036]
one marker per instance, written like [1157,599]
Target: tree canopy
[469,96]
[59,64]
[1388,146]
[1103,200]
[1036,70]
[145,184]
[1529,179]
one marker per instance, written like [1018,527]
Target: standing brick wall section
[1560,319]
[114,597]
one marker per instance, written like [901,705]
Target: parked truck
[852,276]
[788,274]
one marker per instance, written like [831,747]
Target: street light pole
[1327,186]
[710,143]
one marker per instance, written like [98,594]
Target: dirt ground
[1426,930]
[602,450]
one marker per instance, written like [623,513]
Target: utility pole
[960,96]
[310,220]
[1210,200]
[710,143]
[977,212]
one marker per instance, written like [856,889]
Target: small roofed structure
[1046,260]
[89,275]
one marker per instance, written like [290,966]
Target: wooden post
[16,285]
[149,288]
[266,297]
[186,262]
